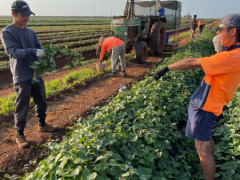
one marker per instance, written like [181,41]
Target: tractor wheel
[157,38]
[142,52]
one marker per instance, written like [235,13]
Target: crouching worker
[22,46]
[216,90]
[117,48]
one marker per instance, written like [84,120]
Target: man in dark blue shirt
[194,25]
[22,46]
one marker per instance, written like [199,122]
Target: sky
[203,8]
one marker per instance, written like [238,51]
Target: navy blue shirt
[21,46]
[194,23]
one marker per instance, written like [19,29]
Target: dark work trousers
[200,29]
[24,91]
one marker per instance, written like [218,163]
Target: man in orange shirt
[200,26]
[117,47]
[216,90]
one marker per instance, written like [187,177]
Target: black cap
[21,7]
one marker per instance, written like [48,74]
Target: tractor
[141,26]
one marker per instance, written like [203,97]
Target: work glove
[40,53]
[160,73]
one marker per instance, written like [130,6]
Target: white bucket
[122,89]
[100,66]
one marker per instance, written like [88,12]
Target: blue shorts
[200,124]
[193,28]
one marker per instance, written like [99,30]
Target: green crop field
[80,34]
[63,41]
[139,134]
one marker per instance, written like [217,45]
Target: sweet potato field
[140,133]
[67,41]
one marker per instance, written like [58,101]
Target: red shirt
[109,43]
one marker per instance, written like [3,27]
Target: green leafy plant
[7,104]
[46,63]
[76,61]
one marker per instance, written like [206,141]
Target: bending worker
[216,90]
[117,47]
[22,46]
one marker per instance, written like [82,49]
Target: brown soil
[62,111]
[5,82]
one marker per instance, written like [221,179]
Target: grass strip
[54,87]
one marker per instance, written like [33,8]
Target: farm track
[183,41]
[180,30]
[77,102]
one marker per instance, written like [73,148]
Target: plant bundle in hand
[46,63]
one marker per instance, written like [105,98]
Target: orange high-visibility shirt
[109,43]
[200,23]
[220,83]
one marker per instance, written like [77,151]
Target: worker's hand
[160,73]
[40,53]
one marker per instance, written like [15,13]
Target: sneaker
[21,141]
[46,128]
